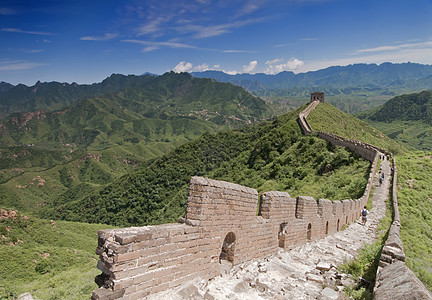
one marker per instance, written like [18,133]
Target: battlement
[317,96]
[221,223]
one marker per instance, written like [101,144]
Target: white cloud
[17,65]
[250,68]
[202,68]
[25,31]
[107,36]
[277,65]
[183,67]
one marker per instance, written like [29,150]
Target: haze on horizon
[85,41]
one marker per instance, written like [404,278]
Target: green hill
[49,259]
[406,119]
[328,118]
[66,154]
[267,156]
[415,205]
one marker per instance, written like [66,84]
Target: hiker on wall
[364,214]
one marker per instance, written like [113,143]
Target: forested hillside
[406,119]
[267,156]
[68,153]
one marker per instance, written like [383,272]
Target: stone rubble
[308,271]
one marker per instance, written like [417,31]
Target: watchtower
[317,96]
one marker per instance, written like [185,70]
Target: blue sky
[86,41]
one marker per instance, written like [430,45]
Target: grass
[411,134]
[415,205]
[327,118]
[50,260]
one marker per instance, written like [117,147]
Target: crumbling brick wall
[221,223]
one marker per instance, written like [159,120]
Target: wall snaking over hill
[221,224]
[394,279]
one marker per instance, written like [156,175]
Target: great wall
[222,225]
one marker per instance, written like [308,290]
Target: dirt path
[299,273]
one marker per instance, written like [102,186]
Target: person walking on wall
[364,214]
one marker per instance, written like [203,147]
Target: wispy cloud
[309,39]
[427,44]
[238,51]
[7,11]
[381,54]
[153,27]
[17,65]
[28,50]
[200,31]
[107,36]
[150,46]
[16,30]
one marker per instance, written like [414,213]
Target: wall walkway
[394,279]
[220,225]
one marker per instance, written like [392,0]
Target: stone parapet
[223,222]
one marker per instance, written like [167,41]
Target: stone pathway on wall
[299,273]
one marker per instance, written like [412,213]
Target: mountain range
[69,152]
[370,76]
[352,88]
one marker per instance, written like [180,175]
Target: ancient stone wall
[221,223]
[394,279]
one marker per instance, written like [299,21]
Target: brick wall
[221,223]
